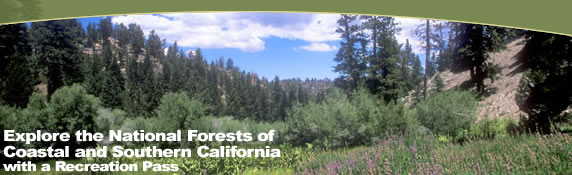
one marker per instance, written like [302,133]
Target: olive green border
[552,17]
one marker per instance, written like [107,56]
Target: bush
[72,109]
[109,119]
[228,124]
[135,124]
[490,128]
[448,113]
[324,124]
[342,121]
[178,111]
[377,118]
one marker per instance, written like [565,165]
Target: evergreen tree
[392,86]
[136,39]
[349,64]
[91,34]
[132,96]
[477,41]
[439,84]
[417,79]
[544,91]
[93,76]
[122,35]
[56,45]
[105,29]
[113,85]
[417,71]
[385,58]
[407,59]
[17,70]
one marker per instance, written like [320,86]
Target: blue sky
[288,45]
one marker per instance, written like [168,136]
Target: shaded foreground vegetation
[521,154]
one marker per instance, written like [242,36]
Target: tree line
[371,58]
[127,70]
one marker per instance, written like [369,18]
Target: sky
[288,45]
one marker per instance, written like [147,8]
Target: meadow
[520,154]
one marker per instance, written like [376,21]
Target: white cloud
[248,30]
[323,47]
[244,31]
[408,26]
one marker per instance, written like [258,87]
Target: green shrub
[324,124]
[135,124]
[229,124]
[109,119]
[178,111]
[489,128]
[447,113]
[342,121]
[72,109]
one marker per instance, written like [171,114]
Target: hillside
[499,101]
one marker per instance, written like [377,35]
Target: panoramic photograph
[338,93]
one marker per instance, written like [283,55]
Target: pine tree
[113,85]
[17,70]
[132,96]
[349,64]
[122,35]
[407,59]
[477,41]
[93,77]
[544,91]
[56,44]
[417,79]
[136,39]
[387,67]
[439,83]
[105,29]
[91,34]
[113,82]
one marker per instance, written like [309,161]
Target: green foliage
[178,111]
[342,121]
[113,85]
[439,83]
[544,91]
[17,66]
[71,109]
[475,44]
[448,112]
[524,154]
[136,38]
[57,46]
[490,128]
[91,35]
[105,29]
[109,119]
[229,124]
[349,63]
[9,120]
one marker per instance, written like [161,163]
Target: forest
[386,113]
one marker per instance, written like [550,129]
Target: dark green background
[548,16]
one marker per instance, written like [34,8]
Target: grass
[522,154]
[525,154]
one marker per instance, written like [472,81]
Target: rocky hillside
[499,100]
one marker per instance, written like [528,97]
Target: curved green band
[553,16]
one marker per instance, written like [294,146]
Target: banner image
[269,92]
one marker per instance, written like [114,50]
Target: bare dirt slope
[499,101]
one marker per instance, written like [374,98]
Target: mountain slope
[499,100]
